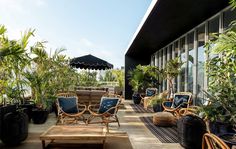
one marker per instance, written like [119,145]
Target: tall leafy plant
[13,60]
[171,71]
[222,79]
[143,77]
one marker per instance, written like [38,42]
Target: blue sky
[103,28]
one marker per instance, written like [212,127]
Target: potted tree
[141,78]
[171,71]
[222,79]
[38,78]
[13,59]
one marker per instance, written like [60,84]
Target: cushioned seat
[164,119]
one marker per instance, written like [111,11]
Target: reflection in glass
[183,59]
[176,51]
[160,66]
[190,61]
[201,61]
[228,17]
[213,28]
[165,56]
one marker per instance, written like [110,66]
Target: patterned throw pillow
[150,92]
[180,100]
[68,104]
[107,103]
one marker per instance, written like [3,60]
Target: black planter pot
[190,131]
[4,110]
[15,128]
[136,98]
[39,116]
[27,108]
[220,128]
[157,108]
[228,138]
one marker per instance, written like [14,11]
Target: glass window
[170,51]
[213,28]
[201,62]
[160,66]
[183,58]
[157,59]
[164,63]
[190,40]
[228,17]
[176,53]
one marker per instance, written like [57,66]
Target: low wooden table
[62,132]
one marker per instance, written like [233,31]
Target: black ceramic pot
[136,98]
[220,128]
[39,116]
[15,128]
[4,110]
[190,130]
[27,108]
[157,108]
[228,138]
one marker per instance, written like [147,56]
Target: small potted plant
[156,101]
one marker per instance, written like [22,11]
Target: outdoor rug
[140,109]
[164,134]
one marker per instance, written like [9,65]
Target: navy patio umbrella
[90,62]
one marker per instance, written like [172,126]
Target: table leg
[43,144]
[103,143]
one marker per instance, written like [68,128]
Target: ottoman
[164,119]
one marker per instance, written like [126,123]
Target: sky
[103,28]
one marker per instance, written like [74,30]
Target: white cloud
[86,42]
[40,2]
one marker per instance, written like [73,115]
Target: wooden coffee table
[63,132]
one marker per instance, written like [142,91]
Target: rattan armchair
[211,141]
[150,92]
[68,108]
[181,100]
[106,111]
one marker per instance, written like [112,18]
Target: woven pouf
[164,119]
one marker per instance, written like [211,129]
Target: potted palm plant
[141,78]
[13,59]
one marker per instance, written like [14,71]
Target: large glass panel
[228,17]
[176,53]
[170,51]
[213,28]
[190,38]
[183,58]
[201,61]
[160,66]
[164,63]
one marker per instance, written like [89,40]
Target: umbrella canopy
[90,62]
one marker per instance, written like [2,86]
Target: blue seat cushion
[150,92]
[107,103]
[68,104]
[180,100]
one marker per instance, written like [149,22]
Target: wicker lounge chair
[211,141]
[181,100]
[68,108]
[106,112]
[150,92]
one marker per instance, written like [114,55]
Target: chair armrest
[166,104]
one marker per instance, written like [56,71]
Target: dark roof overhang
[168,20]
